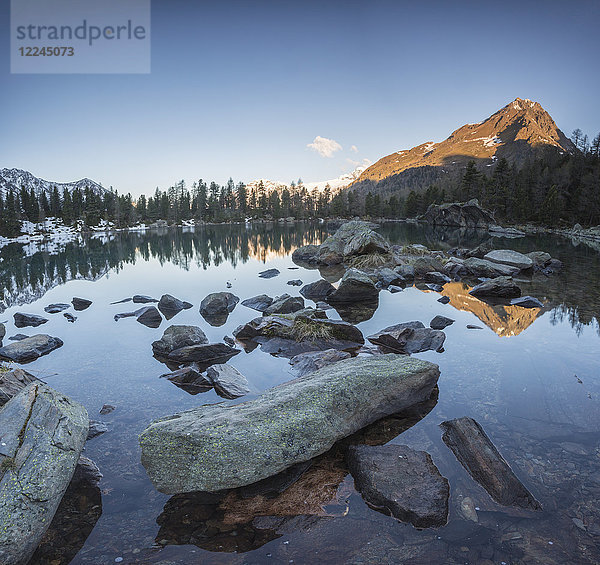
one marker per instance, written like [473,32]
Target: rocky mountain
[16,178]
[517,132]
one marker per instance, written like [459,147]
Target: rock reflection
[77,514]
[246,518]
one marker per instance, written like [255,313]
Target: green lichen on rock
[216,447]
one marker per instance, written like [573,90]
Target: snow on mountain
[16,178]
[335,184]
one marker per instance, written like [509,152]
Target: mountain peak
[517,132]
[14,179]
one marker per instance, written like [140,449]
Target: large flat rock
[43,433]
[400,481]
[30,348]
[216,447]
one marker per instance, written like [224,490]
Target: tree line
[553,189]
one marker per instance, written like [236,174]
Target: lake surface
[530,377]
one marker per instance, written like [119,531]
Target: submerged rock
[259,303]
[171,306]
[408,337]
[500,287]
[228,381]
[56,308]
[96,429]
[402,482]
[479,456]
[354,287]
[107,409]
[268,274]
[540,259]
[43,433]
[25,320]
[509,257]
[305,363]
[13,382]
[440,322]
[215,447]
[526,302]
[206,354]
[30,348]
[81,303]
[216,307]
[176,337]
[318,290]
[190,379]
[143,299]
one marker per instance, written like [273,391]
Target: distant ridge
[16,178]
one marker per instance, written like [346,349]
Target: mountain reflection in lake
[530,378]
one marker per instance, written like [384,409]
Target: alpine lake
[529,376]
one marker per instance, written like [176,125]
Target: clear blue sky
[240,88]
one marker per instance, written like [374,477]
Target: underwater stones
[214,447]
[43,433]
[25,320]
[175,337]
[30,348]
[398,480]
[479,456]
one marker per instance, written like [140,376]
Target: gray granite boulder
[80,304]
[171,306]
[30,348]
[526,302]
[26,320]
[540,259]
[176,337]
[305,363]
[285,304]
[484,268]
[408,337]
[215,447]
[14,381]
[43,433]
[56,308]
[216,307]
[190,379]
[228,381]
[259,303]
[400,481]
[318,290]
[205,354]
[149,316]
[500,287]
[510,258]
[354,287]
[440,322]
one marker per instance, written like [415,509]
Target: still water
[529,376]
